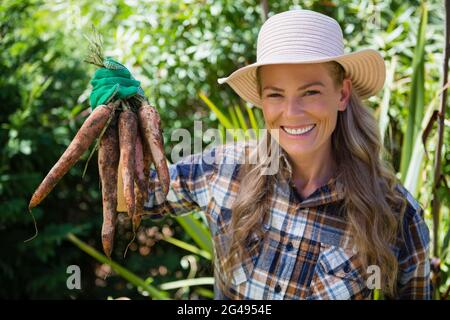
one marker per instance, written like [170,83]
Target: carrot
[90,130]
[139,165]
[108,161]
[150,124]
[148,160]
[127,142]
[141,185]
[146,185]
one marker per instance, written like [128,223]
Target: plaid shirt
[306,251]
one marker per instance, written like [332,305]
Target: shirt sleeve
[414,264]
[189,189]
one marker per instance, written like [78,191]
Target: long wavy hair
[372,205]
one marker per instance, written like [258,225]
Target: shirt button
[277,288]
[289,246]
[347,268]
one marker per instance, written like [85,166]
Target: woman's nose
[294,107]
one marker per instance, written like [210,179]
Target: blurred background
[178,49]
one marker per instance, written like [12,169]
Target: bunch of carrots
[130,138]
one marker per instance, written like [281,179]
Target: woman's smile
[297,132]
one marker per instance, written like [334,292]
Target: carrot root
[141,187]
[90,130]
[36,232]
[108,160]
[127,142]
[150,124]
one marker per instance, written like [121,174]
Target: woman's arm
[189,186]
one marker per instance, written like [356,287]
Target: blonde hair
[372,205]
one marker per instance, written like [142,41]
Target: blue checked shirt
[306,251]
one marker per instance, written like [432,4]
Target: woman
[332,222]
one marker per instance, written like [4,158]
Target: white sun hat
[304,36]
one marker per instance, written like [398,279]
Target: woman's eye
[274,95]
[311,92]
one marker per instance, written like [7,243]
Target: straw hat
[304,36]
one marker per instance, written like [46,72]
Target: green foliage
[416,97]
[141,284]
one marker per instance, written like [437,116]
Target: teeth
[299,131]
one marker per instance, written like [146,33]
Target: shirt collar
[330,192]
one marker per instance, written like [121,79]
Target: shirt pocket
[244,270]
[338,275]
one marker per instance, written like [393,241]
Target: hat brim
[366,69]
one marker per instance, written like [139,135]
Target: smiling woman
[334,210]
[310,93]
[329,139]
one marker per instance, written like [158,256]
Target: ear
[345,93]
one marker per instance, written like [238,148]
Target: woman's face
[302,101]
